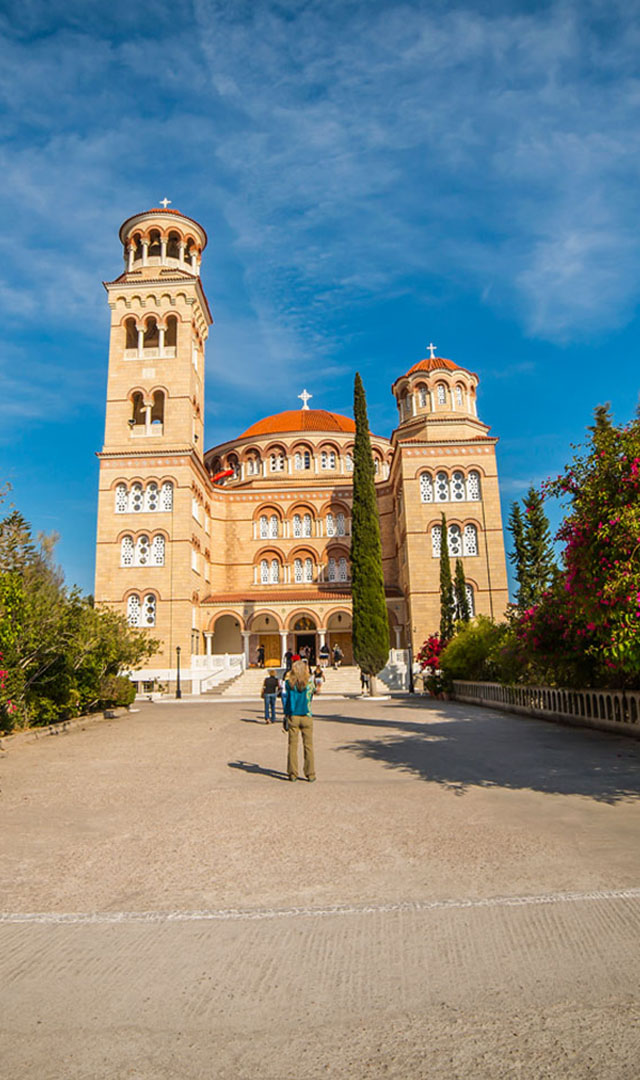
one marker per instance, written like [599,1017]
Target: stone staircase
[344,681]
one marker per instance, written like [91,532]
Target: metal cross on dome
[432,350]
[165,202]
[305,398]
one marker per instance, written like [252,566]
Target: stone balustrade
[608,710]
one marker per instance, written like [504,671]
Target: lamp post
[178,687]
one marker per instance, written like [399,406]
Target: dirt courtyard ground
[457,896]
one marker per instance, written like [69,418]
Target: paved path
[457,896]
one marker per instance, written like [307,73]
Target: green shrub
[117,691]
[478,651]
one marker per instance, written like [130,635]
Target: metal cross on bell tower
[432,350]
[305,398]
[165,202]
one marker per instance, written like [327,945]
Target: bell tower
[152,477]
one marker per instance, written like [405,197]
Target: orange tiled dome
[301,420]
[434,363]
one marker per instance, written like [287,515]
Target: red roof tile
[301,420]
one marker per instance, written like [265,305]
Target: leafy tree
[477,650]
[370,618]
[447,600]
[461,600]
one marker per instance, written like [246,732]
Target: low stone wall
[608,710]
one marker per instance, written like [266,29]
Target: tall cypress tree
[539,557]
[370,619]
[447,603]
[519,555]
[461,599]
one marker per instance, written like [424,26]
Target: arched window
[332,570]
[442,487]
[343,574]
[348,460]
[131,333]
[473,486]
[276,462]
[327,459]
[264,572]
[136,498]
[331,525]
[408,405]
[137,247]
[442,394]
[471,600]
[302,460]
[142,551]
[122,499]
[253,465]
[157,410]
[264,527]
[340,525]
[149,610]
[139,412]
[422,397]
[157,551]
[275,572]
[173,245]
[166,496]
[455,540]
[151,335]
[171,333]
[458,395]
[457,487]
[151,497]
[306,525]
[133,610]
[297,525]
[233,463]
[297,571]
[426,487]
[308,570]
[273,525]
[470,540]
[436,541]
[126,551]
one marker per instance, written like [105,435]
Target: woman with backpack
[296,702]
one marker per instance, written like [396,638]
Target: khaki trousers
[302,725]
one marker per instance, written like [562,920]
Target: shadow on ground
[473,747]
[252,767]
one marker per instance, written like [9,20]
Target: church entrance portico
[339,627]
[305,637]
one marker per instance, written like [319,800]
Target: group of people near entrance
[296,690]
[325,654]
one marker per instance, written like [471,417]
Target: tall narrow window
[331,525]
[275,571]
[157,409]
[470,540]
[264,527]
[426,487]
[308,570]
[332,570]
[297,571]
[297,525]
[327,459]
[264,572]
[157,551]
[473,486]
[348,460]
[273,525]
[131,334]
[151,497]
[142,551]
[133,610]
[442,487]
[436,541]
[149,610]
[342,570]
[306,525]
[166,496]
[171,333]
[442,394]
[457,487]
[459,396]
[340,525]
[137,498]
[122,499]
[126,551]
[423,397]
[276,462]
[455,540]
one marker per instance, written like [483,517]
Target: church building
[218,551]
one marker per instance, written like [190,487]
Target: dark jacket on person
[270,685]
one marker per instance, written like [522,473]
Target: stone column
[145,251]
[130,255]
[161,333]
[140,341]
[181,251]
[163,251]
[397,631]
[283,646]
[322,635]
[208,642]
[246,634]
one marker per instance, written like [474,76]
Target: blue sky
[372,175]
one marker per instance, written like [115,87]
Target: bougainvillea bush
[585,631]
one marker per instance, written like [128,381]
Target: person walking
[260,656]
[324,655]
[298,692]
[288,657]
[269,694]
[318,679]
[338,656]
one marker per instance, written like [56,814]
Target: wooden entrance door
[271,644]
[343,639]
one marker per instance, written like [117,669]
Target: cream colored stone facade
[216,565]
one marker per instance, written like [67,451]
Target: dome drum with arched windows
[162,237]
[437,388]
